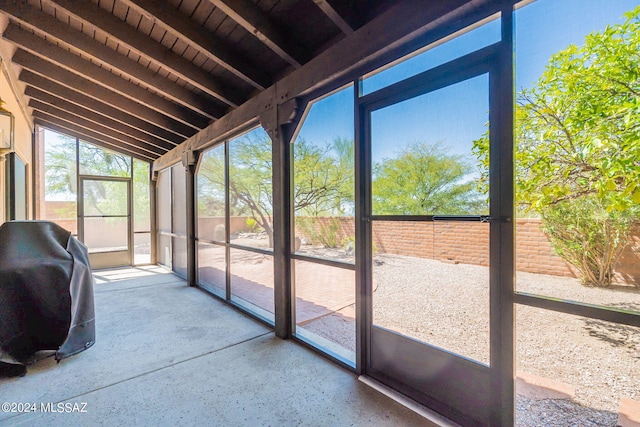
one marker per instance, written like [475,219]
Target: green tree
[425,180]
[211,199]
[99,197]
[578,144]
[250,180]
[321,179]
[60,168]
[323,182]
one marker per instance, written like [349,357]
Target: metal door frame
[105,260]
[490,388]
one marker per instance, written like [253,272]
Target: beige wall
[23,139]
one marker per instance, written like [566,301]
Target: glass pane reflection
[325,307]
[212,268]
[252,282]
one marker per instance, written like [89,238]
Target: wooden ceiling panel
[139,67]
[293,16]
[186,7]
[47,8]
[180,47]
[117,9]
[159,34]
[140,23]
[205,15]
[108,5]
[225,26]
[268,60]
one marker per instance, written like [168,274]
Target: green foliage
[60,168]
[95,160]
[349,242]
[250,176]
[252,225]
[578,144]
[579,129]
[424,179]
[325,233]
[99,197]
[141,200]
[210,184]
[323,182]
[582,232]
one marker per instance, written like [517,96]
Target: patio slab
[139,329]
[168,354]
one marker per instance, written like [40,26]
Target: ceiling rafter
[40,85]
[69,107]
[157,73]
[98,52]
[97,18]
[72,81]
[163,14]
[62,126]
[253,19]
[52,54]
[334,16]
[94,127]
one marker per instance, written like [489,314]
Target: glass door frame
[107,259]
[497,406]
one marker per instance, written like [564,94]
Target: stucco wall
[23,140]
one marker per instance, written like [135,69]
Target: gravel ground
[447,305]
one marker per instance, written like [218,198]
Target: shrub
[321,232]
[583,233]
[252,225]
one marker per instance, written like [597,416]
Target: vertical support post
[502,246]
[189,161]
[153,238]
[280,123]
[363,235]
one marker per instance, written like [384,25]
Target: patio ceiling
[143,76]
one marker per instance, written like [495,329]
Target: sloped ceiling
[142,76]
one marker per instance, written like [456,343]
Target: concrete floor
[167,354]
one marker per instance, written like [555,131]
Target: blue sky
[458,115]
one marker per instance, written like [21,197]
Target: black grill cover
[46,294]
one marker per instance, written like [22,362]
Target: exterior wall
[207,225]
[468,243]
[23,137]
[58,212]
[628,268]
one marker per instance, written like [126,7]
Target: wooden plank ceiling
[141,76]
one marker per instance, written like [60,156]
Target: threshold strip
[408,403]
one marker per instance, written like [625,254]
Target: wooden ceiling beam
[44,85]
[63,127]
[55,29]
[64,105]
[334,16]
[256,22]
[73,81]
[371,46]
[94,17]
[35,45]
[121,138]
[162,13]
